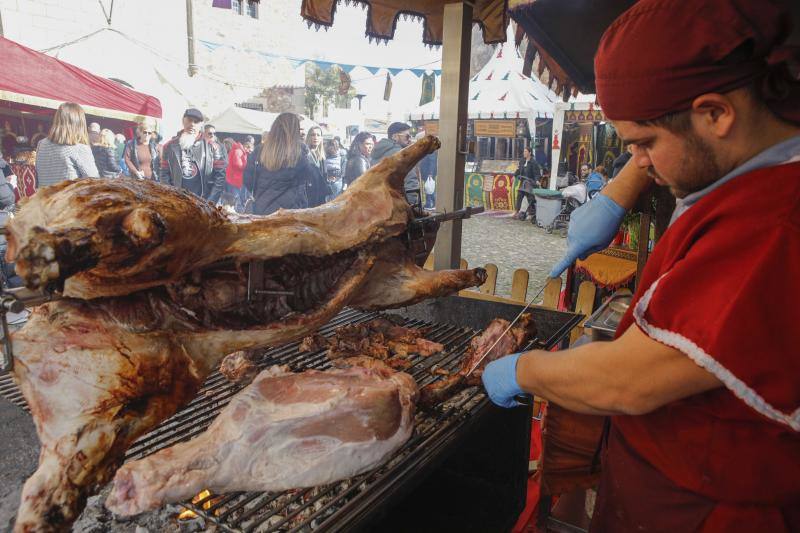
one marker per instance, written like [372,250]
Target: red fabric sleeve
[730,304]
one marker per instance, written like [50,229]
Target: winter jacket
[529,170]
[106,161]
[356,165]
[284,188]
[318,188]
[386,148]
[237,160]
[208,166]
[131,157]
[58,162]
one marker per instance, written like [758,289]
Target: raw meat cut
[156,288]
[515,340]
[283,431]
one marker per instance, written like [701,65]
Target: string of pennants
[325,65]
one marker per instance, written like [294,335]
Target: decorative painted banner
[492,191]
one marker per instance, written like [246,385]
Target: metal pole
[456,45]
[190,37]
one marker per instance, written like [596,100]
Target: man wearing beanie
[399,136]
[702,382]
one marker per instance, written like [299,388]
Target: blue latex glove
[592,227]
[500,380]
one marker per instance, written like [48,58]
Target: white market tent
[250,121]
[151,72]
[501,91]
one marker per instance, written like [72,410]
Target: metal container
[603,322]
[548,206]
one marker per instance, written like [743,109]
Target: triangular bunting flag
[428,89]
[373,70]
[387,90]
[395,71]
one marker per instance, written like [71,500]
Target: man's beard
[187,140]
[698,170]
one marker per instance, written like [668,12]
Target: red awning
[31,78]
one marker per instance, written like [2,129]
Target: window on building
[252,8]
[236,6]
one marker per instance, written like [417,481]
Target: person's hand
[500,380]
[592,227]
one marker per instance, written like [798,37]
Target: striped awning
[382,17]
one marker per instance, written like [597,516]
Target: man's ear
[713,114]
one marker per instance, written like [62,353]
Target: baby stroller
[574,196]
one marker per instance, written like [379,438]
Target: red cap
[658,56]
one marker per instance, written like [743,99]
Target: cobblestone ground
[511,244]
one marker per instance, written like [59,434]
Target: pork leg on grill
[283,431]
[516,339]
[396,281]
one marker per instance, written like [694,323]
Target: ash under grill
[359,501]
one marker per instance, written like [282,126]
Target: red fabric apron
[721,286]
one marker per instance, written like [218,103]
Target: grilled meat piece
[399,363]
[155,289]
[513,341]
[376,338]
[284,431]
[239,367]
[314,343]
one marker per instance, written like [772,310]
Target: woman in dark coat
[277,172]
[105,155]
[358,159]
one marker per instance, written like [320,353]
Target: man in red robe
[702,382]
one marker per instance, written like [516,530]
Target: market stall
[507,112]
[239,122]
[33,84]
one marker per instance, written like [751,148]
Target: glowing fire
[202,495]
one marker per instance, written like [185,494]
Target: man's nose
[641,158]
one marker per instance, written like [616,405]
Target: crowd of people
[290,168]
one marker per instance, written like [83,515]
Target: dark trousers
[531,211]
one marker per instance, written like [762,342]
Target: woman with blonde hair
[277,171]
[318,189]
[105,154]
[65,153]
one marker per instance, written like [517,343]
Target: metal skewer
[511,325]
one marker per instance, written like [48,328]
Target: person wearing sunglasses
[141,153]
[399,136]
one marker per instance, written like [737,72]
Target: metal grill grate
[331,506]
[348,503]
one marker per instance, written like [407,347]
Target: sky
[346,42]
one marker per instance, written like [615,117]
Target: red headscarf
[658,56]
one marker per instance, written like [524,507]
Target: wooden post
[190,38]
[456,45]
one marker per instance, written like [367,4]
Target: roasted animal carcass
[515,340]
[156,295]
[283,431]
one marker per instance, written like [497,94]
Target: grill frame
[455,321]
